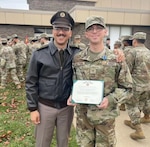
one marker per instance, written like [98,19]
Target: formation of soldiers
[15,55]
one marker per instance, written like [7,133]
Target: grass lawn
[16,129]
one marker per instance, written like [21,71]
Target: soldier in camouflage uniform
[138,60]
[44,39]
[118,44]
[77,42]
[34,45]
[21,58]
[96,123]
[127,45]
[8,65]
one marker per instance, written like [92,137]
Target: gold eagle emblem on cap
[62,14]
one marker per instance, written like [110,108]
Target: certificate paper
[87,91]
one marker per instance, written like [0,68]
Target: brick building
[122,17]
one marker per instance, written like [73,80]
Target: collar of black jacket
[54,49]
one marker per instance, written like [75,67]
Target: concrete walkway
[123,133]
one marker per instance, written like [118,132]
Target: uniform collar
[101,55]
[54,49]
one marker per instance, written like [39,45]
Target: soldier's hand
[35,117]
[119,55]
[69,102]
[103,104]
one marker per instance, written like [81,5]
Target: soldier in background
[34,45]
[126,46]
[108,43]
[126,41]
[8,65]
[138,60]
[21,57]
[44,39]
[118,44]
[77,42]
[96,123]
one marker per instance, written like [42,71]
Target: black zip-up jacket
[47,78]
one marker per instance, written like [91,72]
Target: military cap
[44,35]
[34,39]
[77,36]
[62,18]
[8,37]
[14,36]
[118,42]
[92,20]
[138,35]
[124,38]
[4,40]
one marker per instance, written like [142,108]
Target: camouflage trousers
[4,75]
[140,102]
[20,72]
[92,135]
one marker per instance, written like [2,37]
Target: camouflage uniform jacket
[127,49]
[7,54]
[138,60]
[117,80]
[80,45]
[20,52]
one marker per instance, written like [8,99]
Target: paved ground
[123,132]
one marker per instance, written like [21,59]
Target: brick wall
[21,31]
[55,5]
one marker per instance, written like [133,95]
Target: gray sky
[14,4]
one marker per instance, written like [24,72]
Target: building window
[115,32]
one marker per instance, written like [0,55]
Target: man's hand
[69,103]
[119,55]
[104,103]
[35,117]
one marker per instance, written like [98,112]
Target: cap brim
[131,38]
[62,26]
[95,23]
[64,23]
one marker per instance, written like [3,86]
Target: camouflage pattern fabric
[138,60]
[127,49]
[20,51]
[145,106]
[80,45]
[118,87]
[140,102]
[21,58]
[7,54]
[32,47]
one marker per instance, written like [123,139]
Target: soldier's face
[61,34]
[95,33]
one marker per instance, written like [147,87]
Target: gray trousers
[49,119]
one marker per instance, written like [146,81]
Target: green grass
[16,129]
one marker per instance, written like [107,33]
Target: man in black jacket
[49,84]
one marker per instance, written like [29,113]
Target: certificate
[87,91]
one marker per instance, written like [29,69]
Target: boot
[129,124]
[138,134]
[122,107]
[18,86]
[145,119]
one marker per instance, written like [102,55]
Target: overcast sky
[14,4]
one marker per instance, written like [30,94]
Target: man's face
[61,34]
[95,33]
